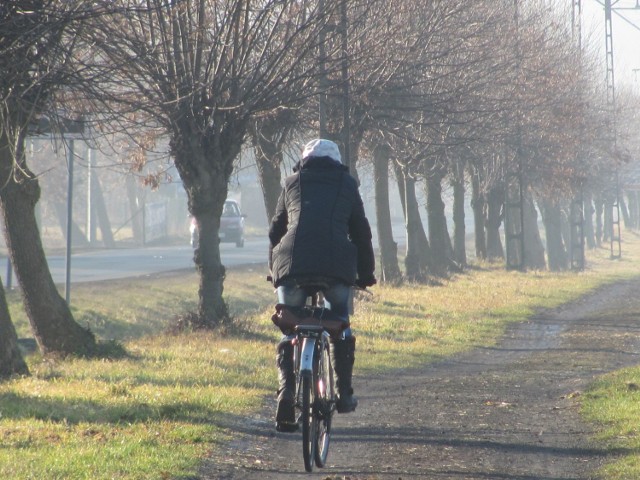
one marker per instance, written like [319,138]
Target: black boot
[285,413]
[342,358]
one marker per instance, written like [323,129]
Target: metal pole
[322,60]
[576,248]
[346,100]
[615,237]
[90,223]
[576,22]
[67,289]
[9,273]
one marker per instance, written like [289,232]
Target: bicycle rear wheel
[324,404]
[309,423]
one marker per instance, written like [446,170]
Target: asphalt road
[132,262]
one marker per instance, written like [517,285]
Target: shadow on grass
[234,327]
[104,326]
[77,411]
[105,350]
[110,350]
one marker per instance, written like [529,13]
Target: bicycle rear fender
[306,355]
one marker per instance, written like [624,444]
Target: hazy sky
[626,37]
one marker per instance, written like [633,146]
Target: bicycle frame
[315,397]
[314,393]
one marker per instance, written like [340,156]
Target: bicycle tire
[324,404]
[309,423]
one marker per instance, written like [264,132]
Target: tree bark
[624,211]
[632,197]
[390,270]
[607,218]
[267,141]
[399,174]
[53,325]
[205,174]
[459,227]
[599,221]
[78,238]
[533,248]
[11,361]
[418,253]
[556,251]
[478,205]
[495,202]
[212,309]
[439,240]
[589,232]
[102,215]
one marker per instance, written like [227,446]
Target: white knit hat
[322,148]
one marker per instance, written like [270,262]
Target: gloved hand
[366,282]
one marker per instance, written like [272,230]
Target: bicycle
[313,327]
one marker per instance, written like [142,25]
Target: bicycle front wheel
[309,423]
[324,404]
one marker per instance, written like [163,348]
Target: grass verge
[157,411]
[612,402]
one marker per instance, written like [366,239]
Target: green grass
[158,410]
[613,403]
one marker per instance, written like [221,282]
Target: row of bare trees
[447,93]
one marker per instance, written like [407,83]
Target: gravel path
[507,412]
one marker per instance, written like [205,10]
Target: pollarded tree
[11,361]
[201,70]
[449,83]
[35,51]
[388,102]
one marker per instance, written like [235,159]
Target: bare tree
[200,71]
[35,50]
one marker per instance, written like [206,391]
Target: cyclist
[319,235]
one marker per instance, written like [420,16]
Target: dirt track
[508,412]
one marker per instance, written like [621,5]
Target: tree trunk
[589,233]
[78,238]
[136,214]
[459,227]
[268,161]
[478,205]
[556,251]
[607,218]
[399,174]
[632,197]
[565,228]
[102,215]
[599,222]
[495,202]
[390,270]
[11,361]
[205,175]
[53,325]
[533,248]
[439,240]
[624,211]
[418,254]
[212,309]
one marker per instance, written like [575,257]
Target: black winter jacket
[319,228]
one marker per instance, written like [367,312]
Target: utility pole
[346,99]
[323,81]
[576,213]
[514,185]
[615,237]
